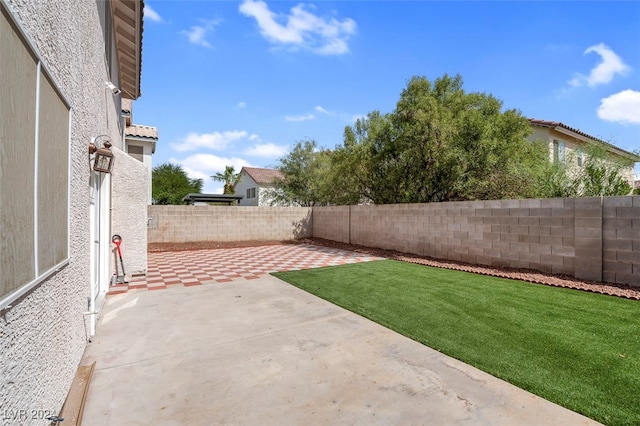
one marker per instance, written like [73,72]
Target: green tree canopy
[230,179]
[600,174]
[440,144]
[170,184]
[312,177]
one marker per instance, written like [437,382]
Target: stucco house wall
[241,189]
[129,212]
[574,146]
[43,334]
[260,182]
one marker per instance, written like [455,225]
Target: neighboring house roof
[140,131]
[263,176]
[563,128]
[127,22]
[212,198]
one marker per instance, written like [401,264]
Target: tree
[170,184]
[600,174]
[441,144]
[305,170]
[230,179]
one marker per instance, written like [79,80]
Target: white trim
[42,70]
[35,51]
[69,159]
[5,302]
[36,160]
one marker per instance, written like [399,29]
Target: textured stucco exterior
[241,189]
[43,336]
[264,193]
[148,148]
[129,212]
[181,224]
[572,146]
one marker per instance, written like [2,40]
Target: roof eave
[127,19]
[564,129]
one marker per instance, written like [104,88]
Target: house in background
[568,143]
[257,186]
[139,141]
[65,67]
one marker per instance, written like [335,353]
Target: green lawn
[577,349]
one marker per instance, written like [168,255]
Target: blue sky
[239,82]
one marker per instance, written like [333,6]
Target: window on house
[579,157]
[34,167]
[136,152]
[558,151]
[251,193]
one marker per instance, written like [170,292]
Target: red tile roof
[555,124]
[263,176]
[139,131]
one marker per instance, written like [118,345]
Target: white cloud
[241,105]
[203,166]
[303,29]
[622,107]
[610,66]
[300,117]
[151,14]
[214,140]
[322,110]
[267,150]
[197,33]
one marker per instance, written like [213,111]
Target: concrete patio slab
[261,352]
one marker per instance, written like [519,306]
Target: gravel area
[511,273]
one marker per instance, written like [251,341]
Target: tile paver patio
[191,268]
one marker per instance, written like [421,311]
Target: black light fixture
[104,158]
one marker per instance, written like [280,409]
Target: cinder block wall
[621,240]
[589,238]
[181,224]
[333,223]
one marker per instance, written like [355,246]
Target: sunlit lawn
[580,350]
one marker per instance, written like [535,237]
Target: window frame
[9,298]
[559,151]
[134,154]
[579,157]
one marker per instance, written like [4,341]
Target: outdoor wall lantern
[104,158]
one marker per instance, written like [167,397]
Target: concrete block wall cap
[618,201]
[588,201]
[552,202]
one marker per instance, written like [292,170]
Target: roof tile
[552,124]
[137,130]
[263,176]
